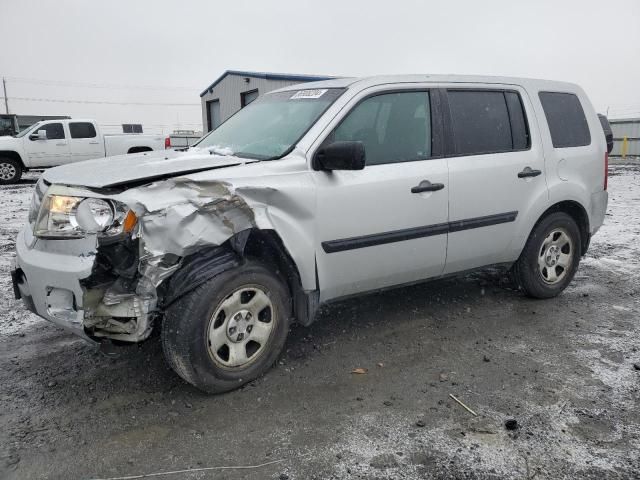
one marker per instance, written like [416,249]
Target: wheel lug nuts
[232,330]
[249,328]
[240,336]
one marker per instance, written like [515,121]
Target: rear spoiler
[608,133]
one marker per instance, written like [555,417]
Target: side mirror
[40,135]
[340,156]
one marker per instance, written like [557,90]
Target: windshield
[27,130]
[269,127]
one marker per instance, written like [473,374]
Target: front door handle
[61,144]
[427,186]
[528,172]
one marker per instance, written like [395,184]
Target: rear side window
[82,130]
[487,121]
[566,120]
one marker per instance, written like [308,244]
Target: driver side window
[55,131]
[394,127]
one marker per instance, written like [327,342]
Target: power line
[64,83]
[103,102]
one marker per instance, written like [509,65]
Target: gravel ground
[562,368]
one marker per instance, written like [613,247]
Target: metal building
[626,137]
[236,89]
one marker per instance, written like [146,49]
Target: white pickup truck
[56,142]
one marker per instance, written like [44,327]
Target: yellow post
[625,145]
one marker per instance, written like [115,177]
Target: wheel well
[139,149]
[579,214]
[267,246]
[263,245]
[13,156]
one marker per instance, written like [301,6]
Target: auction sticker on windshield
[317,93]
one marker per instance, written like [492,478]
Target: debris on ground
[463,405]
[511,424]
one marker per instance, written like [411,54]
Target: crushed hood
[137,167]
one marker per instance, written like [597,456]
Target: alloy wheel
[7,171]
[555,256]
[241,326]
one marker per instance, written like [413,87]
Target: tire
[206,333]
[550,257]
[10,171]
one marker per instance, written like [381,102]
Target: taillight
[167,142]
[606,169]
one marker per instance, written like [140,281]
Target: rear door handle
[427,186]
[528,172]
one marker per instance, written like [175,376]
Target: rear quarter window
[565,117]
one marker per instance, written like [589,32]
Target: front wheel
[228,331]
[10,171]
[550,257]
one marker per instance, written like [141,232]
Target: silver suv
[310,194]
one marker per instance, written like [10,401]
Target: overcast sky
[53,50]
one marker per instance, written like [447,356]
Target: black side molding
[352,243]
[479,222]
[385,237]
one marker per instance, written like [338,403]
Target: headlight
[92,215]
[63,216]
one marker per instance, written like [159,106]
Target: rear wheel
[10,171]
[229,330]
[550,257]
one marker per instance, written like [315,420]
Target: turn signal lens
[129,222]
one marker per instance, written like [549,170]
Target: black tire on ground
[187,323]
[537,282]
[10,171]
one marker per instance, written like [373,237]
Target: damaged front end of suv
[215,244]
[131,252]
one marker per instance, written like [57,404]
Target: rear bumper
[599,202]
[49,283]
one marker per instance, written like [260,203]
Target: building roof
[267,76]
[624,120]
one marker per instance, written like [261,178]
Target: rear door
[496,173]
[52,151]
[84,142]
[375,228]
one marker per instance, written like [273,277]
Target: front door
[52,151]
[387,224]
[496,173]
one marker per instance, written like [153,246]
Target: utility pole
[6,100]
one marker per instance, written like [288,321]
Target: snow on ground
[14,206]
[617,245]
[562,367]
